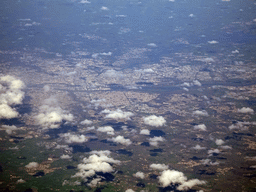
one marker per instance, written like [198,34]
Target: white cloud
[213,42]
[219,142]
[84,1]
[46,88]
[51,115]
[211,151]
[144,132]
[226,147]
[189,184]
[207,59]
[191,15]
[86,122]
[107,129]
[139,175]
[236,51]
[117,114]
[250,158]
[152,45]
[94,182]
[241,125]
[129,190]
[66,147]
[200,127]
[32,165]
[13,82]
[101,153]
[198,147]
[120,139]
[196,82]
[148,70]
[209,162]
[245,110]
[90,128]
[20,181]
[186,84]
[201,113]
[154,141]
[106,54]
[104,8]
[10,95]
[72,138]
[95,163]
[159,167]
[6,112]
[65,157]
[169,177]
[112,73]
[8,128]
[154,120]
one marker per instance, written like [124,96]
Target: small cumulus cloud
[111,73]
[32,165]
[200,127]
[159,167]
[46,88]
[152,45]
[213,42]
[117,114]
[206,60]
[154,120]
[101,153]
[66,147]
[148,70]
[6,112]
[129,190]
[65,157]
[186,84]
[241,125]
[173,177]
[144,132]
[185,89]
[201,113]
[213,151]
[100,103]
[154,141]
[51,115]
[198,147]
[236,51]
[198,83]
[100,162]
[209,162]
[106,129]
[194,83]
[21,181]
[11,94]
[120,139]
[139,175]
[106,54]
[245,110]
[104,8]
[73,138]
[226,147]
[219,142]
[9,129]
[84,1]
[86,122]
